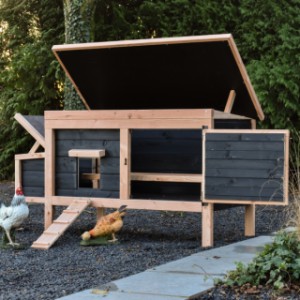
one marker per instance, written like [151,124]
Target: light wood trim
[230,101]
[250,220]
[129,114]
[35,200]
[286,168]
[90,176]
[246,78]
[18,173]
[207,225]
[245,202]
[87,153]
[256,131]
[36,155]
[253,124]
[129,124]
[144,42]
[169,205]
[30,129]
[125,163]
[34,147]
[166,177]
[49,175]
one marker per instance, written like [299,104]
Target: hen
[14,215]
[107,225]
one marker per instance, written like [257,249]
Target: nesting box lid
[163,73]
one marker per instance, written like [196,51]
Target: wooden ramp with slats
[60,225]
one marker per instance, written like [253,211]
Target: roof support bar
[230,101]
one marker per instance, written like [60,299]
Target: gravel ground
[148,239]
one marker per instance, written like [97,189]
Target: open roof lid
[164,73]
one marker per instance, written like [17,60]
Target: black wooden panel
[166,151]
[66,181]
[244,146]
[250,137]
[189,75]
[65,164]
[235,154]
[34,191]
[33,165]
[243,166]
[109,182]
[232,124]
[79,134]
[111,147]
[67,167]
[110,165]
[87,192]
[165,190]
[37,122]
[33,177]
[177,151]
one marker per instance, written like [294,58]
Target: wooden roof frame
[168,41]
[30,129]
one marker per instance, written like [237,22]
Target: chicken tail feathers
[122,208]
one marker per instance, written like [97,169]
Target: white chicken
[14,215]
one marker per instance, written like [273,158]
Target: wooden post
[230,101]
[18,173]
[207,225]
[250,220]
[125,163]
[49,175]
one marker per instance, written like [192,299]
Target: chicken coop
[170,124]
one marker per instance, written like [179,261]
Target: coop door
[245,166]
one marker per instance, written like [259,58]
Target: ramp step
[60,225]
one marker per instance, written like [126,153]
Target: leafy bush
[278,265]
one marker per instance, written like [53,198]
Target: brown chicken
[107,225]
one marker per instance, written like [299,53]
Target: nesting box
[170,124]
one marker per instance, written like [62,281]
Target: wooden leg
[207,225]
[49,213]
[100,212]
[250,220]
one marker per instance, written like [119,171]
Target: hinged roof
[164,73]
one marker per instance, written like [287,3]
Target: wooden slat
[125,163]
[130,124]
[30,156]
[166,177]
[49,175]
[207,225]
[246,78]
[230,101]
[160,114]
[250,220]
[90,176]
[87,153]
[158,204]
[144,42]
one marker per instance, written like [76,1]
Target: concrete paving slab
[242,251]
[91,295]
[178,279]
[164,283]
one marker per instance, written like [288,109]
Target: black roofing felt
[165,76]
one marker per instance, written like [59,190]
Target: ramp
[60,225]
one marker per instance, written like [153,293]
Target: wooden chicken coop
[170,124]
